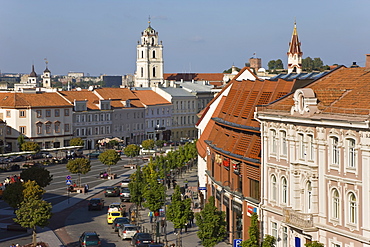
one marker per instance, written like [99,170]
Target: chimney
[367,65]
[354,65]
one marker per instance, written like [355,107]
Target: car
[111,191]
[116,206]
[112,215]
[125,182]
[93,155]
[96,203]
[142,239]
[156,245]
[90,239]
[127,231]
[119,222]
[125,194]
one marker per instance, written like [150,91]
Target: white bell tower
[149,60]
[295,53]
[46,77]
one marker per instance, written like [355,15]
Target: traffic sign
[68,182]
[68,177]
[202,188]
[237,242]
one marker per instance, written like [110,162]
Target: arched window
[284,190]
[302,147]
[142,54]
[142,71]
[352,217]
[351,153]
[152,41]
[273,188]
[153,54]
[335,151]
[153,71]
[335,204]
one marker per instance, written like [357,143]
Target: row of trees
[308,64]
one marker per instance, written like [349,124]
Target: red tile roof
[21,100]
[149,97]
[92,99]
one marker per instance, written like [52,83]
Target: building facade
[315,162]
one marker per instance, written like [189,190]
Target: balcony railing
[298,219]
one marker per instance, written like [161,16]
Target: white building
[315,162]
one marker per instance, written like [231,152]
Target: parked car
[142,239]
[119,222]
[96,203]
[125,182]
[90,239]
[111,191]
[127,231]
[93,155]
[125,194]
[116,206]
[18,158]
[112,215]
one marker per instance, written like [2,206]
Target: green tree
[160,143]
[307,64]
[314,244]
[137,188]
[269,241]
[30,146]
[154,195]
[76,142]
[20,141]
[13,194]
[109,158]
[271,65]
[148,144]
[79,166]
[317,63]
[38,174]
[33,211]
[228,71]
[254,233]
[279,64]
[113,143]
[131,150]
[211,223]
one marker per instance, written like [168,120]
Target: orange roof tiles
[21,100]
[92,99]
[149,97]
[116,93]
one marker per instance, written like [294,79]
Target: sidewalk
[190,238]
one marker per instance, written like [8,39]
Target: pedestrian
[163,224]
[191,219]
[86,188]
[186,227]
[173,183]
[150,214]
[169,183]
[156,214]
[186,183]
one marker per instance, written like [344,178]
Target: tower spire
[294,53]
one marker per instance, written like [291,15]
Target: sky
[205,36]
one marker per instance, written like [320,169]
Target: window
[284,192]
[48,113]
[273,188]
[254,189]
[301,146]
[8,114]
[22,113]
[77,132]
[78,118]
[335,204]
[308,197]
[48,128]
[96,117]
[66,128]
[57,127]
[96,130]
[274,230]
[283,143]
[273,141]
[107,130]
[66,112]
[89,118]
[39,128]
[108,117]
[142,71]
[310,147]
[335,150]
[38,113]
[285,236]
[154,72]
[22,129]
[153,54]
[352,217]
[8,130]
[56,112]
[351,153]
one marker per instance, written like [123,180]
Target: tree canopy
[38,174]
[154,195]
[13,195]
[211,223]
[30,146]
[275,64]
[109,158]
[77,141]
[79,166]
[309,64]
[228,71]
[148,144]
[132,150]
[179,210]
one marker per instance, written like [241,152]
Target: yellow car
[112,215]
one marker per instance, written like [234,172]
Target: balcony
[299,220]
